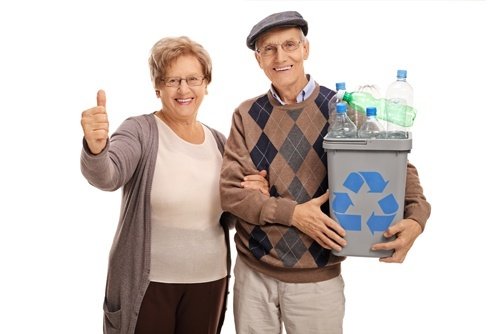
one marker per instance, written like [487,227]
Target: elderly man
[285,271]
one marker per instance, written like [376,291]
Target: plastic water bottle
[332,104]
[371,128]
[356,117]
[374,91]
[399,98]
[359,101]
[370,88]
[342,126]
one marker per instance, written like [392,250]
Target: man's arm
[406,231]
[250,205]
[416,206]
[257,208]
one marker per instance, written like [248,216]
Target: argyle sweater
[287,142]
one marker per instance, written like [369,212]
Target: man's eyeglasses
[192,80]
[272,49]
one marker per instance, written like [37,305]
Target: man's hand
[406,232]
[309,219]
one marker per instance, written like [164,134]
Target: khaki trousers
[261,304]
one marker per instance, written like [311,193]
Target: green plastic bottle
[359,101]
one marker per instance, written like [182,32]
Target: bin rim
[364,144]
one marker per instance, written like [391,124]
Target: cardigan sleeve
[115,165]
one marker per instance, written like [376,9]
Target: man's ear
[157,93]
[306,49]
[258,59]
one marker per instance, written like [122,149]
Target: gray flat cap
[282,19]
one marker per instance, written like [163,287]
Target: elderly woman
[169,263]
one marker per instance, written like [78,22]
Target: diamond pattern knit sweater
[286,141]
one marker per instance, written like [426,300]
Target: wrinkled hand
[95,125]
[406,232]
[257,181]
[309,219]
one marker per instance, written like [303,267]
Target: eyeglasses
[272,49]
[192,80]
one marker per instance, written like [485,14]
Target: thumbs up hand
[95,124]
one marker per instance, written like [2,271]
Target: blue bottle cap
[341,107]
[371,111]
[401,74]
[340,85]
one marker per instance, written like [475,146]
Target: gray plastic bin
[366,180]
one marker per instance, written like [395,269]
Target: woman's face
[182,102]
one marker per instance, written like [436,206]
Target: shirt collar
[303,94]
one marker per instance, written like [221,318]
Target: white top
[187,241]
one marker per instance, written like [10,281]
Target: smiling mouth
[184,101]
[283,69]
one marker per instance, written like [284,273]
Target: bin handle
[352,142]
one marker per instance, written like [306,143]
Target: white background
[56,230]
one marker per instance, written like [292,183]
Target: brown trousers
[195,308]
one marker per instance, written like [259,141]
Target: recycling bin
[366,180]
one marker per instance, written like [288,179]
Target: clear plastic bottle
[372,89]
[342,126]
[332,104]
[357,117]
[371,128]
[399,100]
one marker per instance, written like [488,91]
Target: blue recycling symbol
[376,184]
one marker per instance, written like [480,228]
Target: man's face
[283,64]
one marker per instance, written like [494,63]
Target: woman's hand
[257,181]
[95,125]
